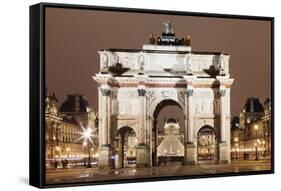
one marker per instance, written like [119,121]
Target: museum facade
[136,84]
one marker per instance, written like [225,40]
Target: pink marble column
[105,116]
[222,115]
[141,93]
[190,116]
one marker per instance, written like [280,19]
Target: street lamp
[256,144]
[67,150]
[87,134]
[237,146]
[57,156]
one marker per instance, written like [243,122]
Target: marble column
[105,160]
[222,115]
[150,134]
[190,116]
[189,154]
[141,93]
[223,145]
[142,148]
[120,151]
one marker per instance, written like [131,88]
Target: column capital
[105,91]
[141,92]
[222,92]
[190,92]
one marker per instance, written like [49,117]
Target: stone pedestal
[105,157]
[224,155]
[142,156]
[190,154]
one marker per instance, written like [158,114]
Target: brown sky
[73,37]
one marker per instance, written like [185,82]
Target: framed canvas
[126,95]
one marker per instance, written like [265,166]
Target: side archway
[207,145]
[125,147]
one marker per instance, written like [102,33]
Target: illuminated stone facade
[62,132]
[134,84]
[251,134]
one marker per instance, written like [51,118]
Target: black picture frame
[37,92]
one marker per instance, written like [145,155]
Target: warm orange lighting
[84,143]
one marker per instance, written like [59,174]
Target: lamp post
[89,157]
[57,156]
[237,146]
[87,135]
[67,150]
[256,144]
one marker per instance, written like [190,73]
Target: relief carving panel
[204,102]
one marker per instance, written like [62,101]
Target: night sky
[74,36]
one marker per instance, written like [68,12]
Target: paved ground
[94,174]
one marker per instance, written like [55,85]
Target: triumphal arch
[134,84]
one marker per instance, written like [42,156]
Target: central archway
[164,111]
[207,145]
[125,147]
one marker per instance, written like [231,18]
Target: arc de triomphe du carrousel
[134,84]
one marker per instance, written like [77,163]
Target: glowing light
[256,127]
[84,143]
[68,149]
[236,139]
[87,134]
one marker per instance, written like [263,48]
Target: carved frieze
[127,102]
[141,61]
[188,63]
[201,63]
[125,106]
[204,102]
[113,59]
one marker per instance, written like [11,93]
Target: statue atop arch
[168,29]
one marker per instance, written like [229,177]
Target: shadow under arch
[155,114]
[207,146]
[164,103]
[125,147]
